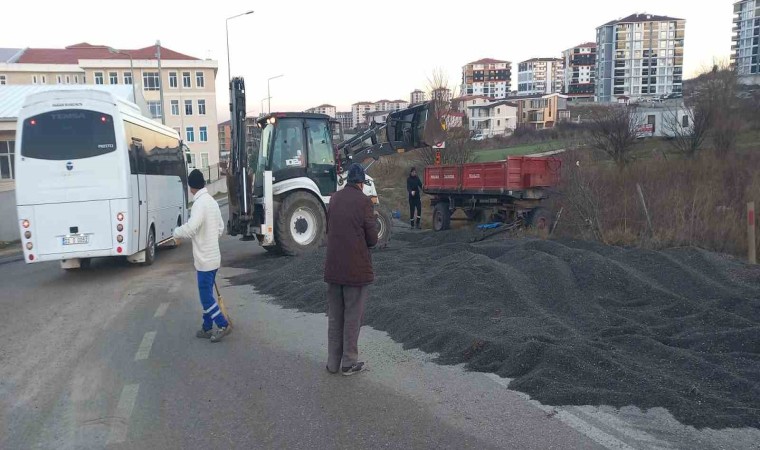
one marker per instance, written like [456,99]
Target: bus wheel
[150,249]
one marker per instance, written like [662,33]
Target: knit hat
[356,173]
[196,180]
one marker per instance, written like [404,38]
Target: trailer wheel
[300,224]
[540,219]
[384,226]
[441,217]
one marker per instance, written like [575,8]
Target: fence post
[646,211]
[752,257]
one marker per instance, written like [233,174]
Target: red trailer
[508,191]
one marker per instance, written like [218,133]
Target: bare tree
[457,148]
[614,129]
[689,125]
[716,89]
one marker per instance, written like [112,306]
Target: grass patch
[518,150]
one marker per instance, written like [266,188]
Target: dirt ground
[571,322]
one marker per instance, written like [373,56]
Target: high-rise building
[346,119]
[489,77]
[417,96]
[323,109]
[540,76]
[580,71]
[639,56]
[745,50]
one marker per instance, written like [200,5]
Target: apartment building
[225,136]
[745,49]
[330,110]
[580,72]
[346,119]
[640,56]
[540,76]
[417,96]
[541,111]
[489,77]
[188,84]
[359,110]
[441,94]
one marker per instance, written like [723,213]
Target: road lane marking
[161,309]
[120,425]
[595,434]
[147,342]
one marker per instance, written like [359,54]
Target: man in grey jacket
[204,228]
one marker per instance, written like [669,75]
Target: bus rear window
[68,134]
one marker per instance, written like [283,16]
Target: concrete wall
[8,218]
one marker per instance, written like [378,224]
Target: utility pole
[160,82]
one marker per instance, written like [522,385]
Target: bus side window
[134,156]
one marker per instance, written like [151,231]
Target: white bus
[95,178]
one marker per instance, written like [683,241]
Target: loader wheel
[441,217]
[300,224]
[540,219]
[384,226]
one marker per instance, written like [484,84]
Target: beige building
[330,110]
[417,96]
[488,76]
[540,112]
[540,76]
[189,90]
[360,110]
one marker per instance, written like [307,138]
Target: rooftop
[636,18]
[9,54]
[488,61]
[74,53]
[541,60]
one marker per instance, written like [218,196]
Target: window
[151,81]
[44,79]
[684,122]
[76,79]
[188,107]
[201,107]
[203,135]
[127,77]
[58,79]
[186,79]
[155,109]
[98,77]
[68,134]
[190,132]
[172,79]
[113,78]
[7,167]
[199,81]
[68,79]
[175,107]
[288,145]
[204,160]
[3,80]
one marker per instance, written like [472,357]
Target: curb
[12,258]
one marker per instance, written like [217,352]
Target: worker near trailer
[204,228]
[351,232]
[414,188]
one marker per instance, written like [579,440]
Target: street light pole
[269,96]
[160,83]
[132,72]
[227,32]
[261,110]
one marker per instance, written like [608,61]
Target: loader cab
[296,145]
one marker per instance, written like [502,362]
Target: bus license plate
[73,240]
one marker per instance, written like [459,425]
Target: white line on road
[161,309]
[595,434]
[147,342]
[120,425]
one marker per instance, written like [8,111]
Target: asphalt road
[108,358]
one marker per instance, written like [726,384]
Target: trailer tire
[300,224]
[540,219]
[441,216]
[384,227]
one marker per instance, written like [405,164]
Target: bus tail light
[118,250]
[29,245]
[120,217]
[28,234]
[31,257]
[25,223]
[119,227]
[120,239]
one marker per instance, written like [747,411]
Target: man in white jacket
[205,227]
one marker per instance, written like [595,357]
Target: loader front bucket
[415,127]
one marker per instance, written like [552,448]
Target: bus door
[139,192]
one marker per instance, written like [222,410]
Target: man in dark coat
[414,188]
[351,232]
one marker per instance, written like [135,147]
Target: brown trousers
[345,309]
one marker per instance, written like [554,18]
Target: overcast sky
[344,51]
